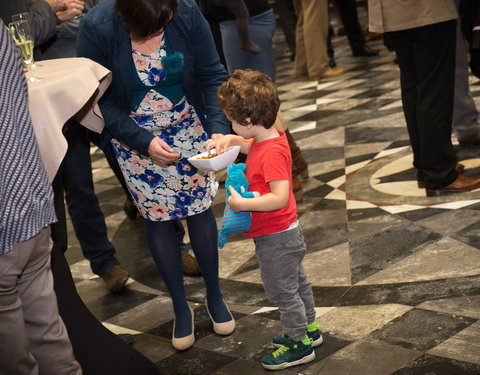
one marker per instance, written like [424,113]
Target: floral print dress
[165,192]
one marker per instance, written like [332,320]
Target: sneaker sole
[314,344]
[281,366]
[317,342]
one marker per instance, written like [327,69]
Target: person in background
[154,110]
[250,100]
[33,338]
[356,38]
[423,35]
[311,58]
[261,24]
[46,15]
[240,11]
[55,28]
[287,19]
[466,123]
[470,18]
[74,180]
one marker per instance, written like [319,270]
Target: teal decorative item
[235,222]
[173,63]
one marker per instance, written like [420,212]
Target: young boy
[250,101]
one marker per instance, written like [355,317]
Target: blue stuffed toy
[235,222]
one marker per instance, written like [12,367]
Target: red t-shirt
[269,161]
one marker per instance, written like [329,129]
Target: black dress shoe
[365,51]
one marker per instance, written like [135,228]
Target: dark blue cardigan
[103,39]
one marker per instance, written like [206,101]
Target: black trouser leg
[426,57]
[83,206]
[349,16]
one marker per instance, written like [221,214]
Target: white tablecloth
[70,88]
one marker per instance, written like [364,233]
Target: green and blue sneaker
[313,332]
[292,353]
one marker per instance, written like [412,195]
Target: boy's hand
[235,200]
[219,142]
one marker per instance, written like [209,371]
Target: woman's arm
[97,45]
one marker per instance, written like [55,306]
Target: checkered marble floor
[396,275]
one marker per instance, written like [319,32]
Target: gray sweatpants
[280,258]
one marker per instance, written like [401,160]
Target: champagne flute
[22,34]
[20,17]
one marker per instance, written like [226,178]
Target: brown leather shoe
[460,185]
[459,168]
[190,265]
[115,278]
[370,35]
[332,72]
[473,139]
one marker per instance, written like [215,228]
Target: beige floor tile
[358,321]
[464,346]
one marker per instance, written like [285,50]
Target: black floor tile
[421,329]
[420,214]
[432,365]
[373,253]
[326,177]
[325,237]
[358,135]
[194,361]
[469,235]
[406,293]
[109,305]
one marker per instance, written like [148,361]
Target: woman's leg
[202,229]
[165,249]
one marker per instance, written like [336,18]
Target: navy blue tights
[164,246]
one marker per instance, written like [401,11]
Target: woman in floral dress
[159,110]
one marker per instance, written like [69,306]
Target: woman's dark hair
[143,18]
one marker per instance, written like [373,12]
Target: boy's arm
[221,144]
[276,199]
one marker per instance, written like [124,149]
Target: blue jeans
[280,258]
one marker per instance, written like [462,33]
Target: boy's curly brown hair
[249,94]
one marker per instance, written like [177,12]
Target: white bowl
[216,163]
